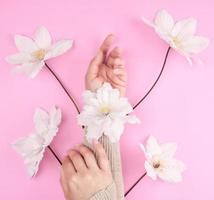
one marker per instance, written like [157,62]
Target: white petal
[164,22]
[143,148]
[168,150]
[41,120]
[149,23]
[31,149]
[27,145]
[25,44]
[189,60]
[152,147]
[184,28]
[195,44]
[115,131]
[150,171]
[111,124]
[132,119]
[59,48]
[19,58]
[30,69]
[171,176]
[55,117]
[32,163]
[42,38]
[172,172]
[93,132]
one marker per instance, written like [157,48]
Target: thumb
[94,65]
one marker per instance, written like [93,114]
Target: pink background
[180,109]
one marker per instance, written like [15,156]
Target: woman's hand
[107,67]
[82,175]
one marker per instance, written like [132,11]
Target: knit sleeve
[109,193]
[113,153]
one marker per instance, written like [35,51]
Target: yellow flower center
[105,110]
[40,54]
[176,42]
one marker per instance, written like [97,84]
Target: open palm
[107,66]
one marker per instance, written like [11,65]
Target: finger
[101,156]
[116,53]
[88,156]
[121,74]
[106,45]
[77,161]
[95,63]
[68,167]
[94,66]
[116,80]
[114,62]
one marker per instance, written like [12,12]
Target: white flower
[105,112]
[32,147]
[34,52]
[160,162]
[179,35]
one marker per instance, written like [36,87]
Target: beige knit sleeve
[108,193]
[113,153]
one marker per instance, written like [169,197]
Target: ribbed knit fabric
[113,153]
[108,193]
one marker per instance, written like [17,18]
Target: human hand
[82,175]
[107,67]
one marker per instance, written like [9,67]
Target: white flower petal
[93,132]
[59,48]
[178,35]
[172,172]
[132,119]
[195,44]
[184,28]
[168,150]
[30,69]
[19,58]
[116,129]
[105,112]
[152,147]
[142,148]
[150,171]
[32,163]
[55,117]
[165,166]
[41,120]
[32,147]
[147,22]
[28,144]
[25,44]
[42,38]
[164,22]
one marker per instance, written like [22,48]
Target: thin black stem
[63,87]
[163,66]
[135,184]
[52,151]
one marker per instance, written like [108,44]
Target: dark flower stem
[162,69]
[130,189]
[52,151]
[63,87]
